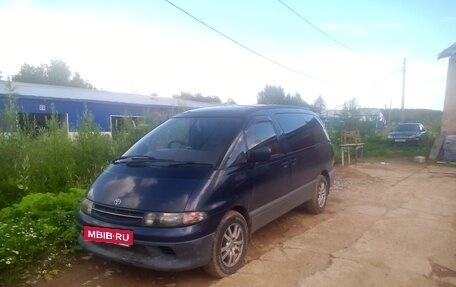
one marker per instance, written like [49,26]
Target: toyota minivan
[192,191]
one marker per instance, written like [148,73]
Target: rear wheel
[229,246]
[318,203]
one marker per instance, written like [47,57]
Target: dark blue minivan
[191,192]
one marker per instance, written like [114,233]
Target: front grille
[117,215]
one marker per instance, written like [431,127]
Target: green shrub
[41,226]
[13,148]
[91,151]
[123,139]
[48,164]
[11,192]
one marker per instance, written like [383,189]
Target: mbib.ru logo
[108,235]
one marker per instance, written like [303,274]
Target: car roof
[240,110]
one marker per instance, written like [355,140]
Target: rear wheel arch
[325,173]
[320,196]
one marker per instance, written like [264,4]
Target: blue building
[109,109]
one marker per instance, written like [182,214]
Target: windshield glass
[188,140]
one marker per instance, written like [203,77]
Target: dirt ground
[386,224]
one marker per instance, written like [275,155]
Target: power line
[242,45]
[316,28]
[327,35]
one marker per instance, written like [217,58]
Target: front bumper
[175,250]
[403,139]
[156,255]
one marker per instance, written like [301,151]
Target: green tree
[271,95]
[32,74]
[319,105]
[351,114]
[78,81]
[230,101]
[276,95]
[198,98]
[56,73]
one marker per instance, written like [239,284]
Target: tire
[318,203]
[229,246]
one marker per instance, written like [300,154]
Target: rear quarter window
[301,130]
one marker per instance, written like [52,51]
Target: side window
[318,131]
[257,135]
[298,128]
[262,134]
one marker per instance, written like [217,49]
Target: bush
[48,165]
[13,146]
[41,226]
[11,192]
[91,151]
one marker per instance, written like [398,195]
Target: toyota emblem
[117,201]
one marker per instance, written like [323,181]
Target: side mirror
[259,154]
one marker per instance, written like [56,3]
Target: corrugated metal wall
[101,112]
[449,109]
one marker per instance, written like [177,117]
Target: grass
[376,145]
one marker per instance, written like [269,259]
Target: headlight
[86,206]
[173,219]
[90,194]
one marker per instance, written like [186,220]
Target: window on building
[123,123]
[34,122]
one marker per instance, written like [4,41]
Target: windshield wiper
[192,164]
[133,158]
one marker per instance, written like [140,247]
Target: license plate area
[399,140]
[123,237]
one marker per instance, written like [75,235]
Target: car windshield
[189,142]
[407,128]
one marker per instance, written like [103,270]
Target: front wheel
[229,246]
[318,203]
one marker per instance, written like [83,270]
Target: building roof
[448,52]
[87,95]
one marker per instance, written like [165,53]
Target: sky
[350,49]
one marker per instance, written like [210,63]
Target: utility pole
[389,114]
[403,91]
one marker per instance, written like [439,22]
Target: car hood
[160,189]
